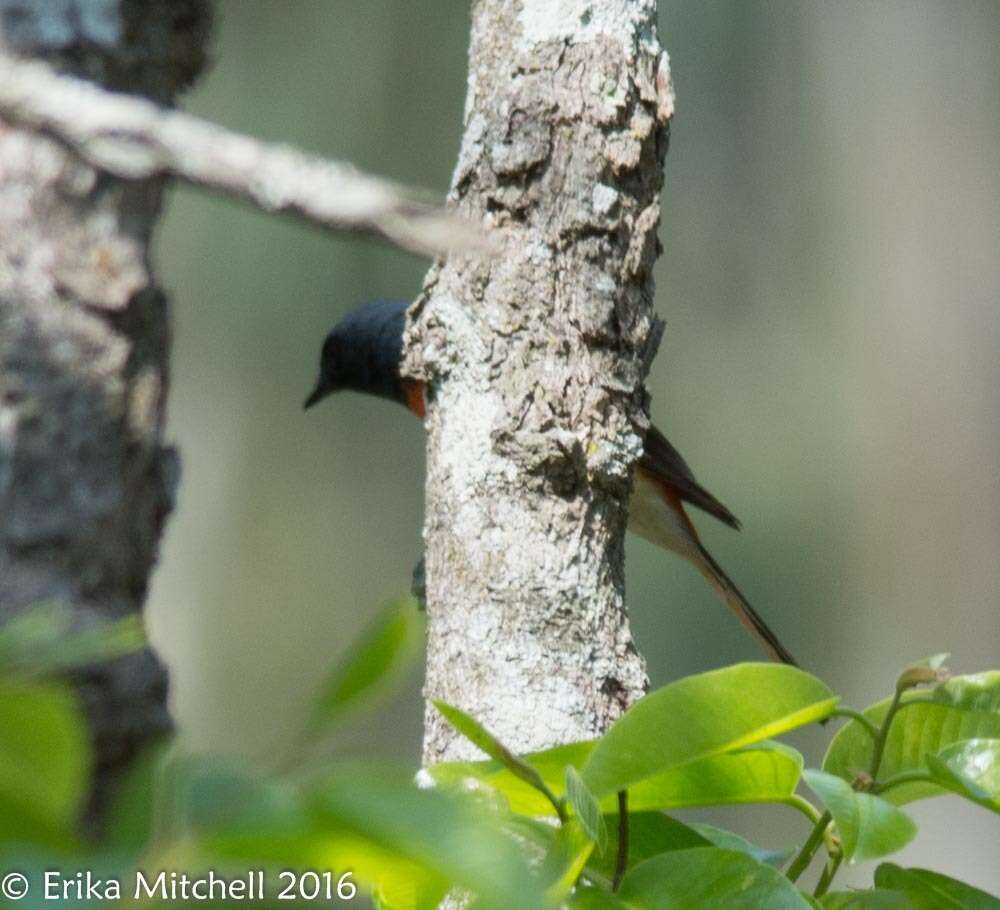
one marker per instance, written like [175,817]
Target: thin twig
[621,860]
[133,138]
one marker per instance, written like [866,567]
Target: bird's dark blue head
[363,352]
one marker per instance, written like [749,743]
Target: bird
[363,353]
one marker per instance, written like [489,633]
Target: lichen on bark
[536,359]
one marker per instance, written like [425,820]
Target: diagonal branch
[133,138]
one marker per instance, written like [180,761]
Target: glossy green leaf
[768,772]
[522,797]
[876,899]
[371,664]
[971,769]
[483,739]
[869,826]
[763,773]
[710,879]
[719,837]
[972,692]
[650,834]
[45,759]
[439,831]
[704,715]
[965,707]
[586,808]
[928,890]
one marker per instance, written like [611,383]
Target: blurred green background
[831,365]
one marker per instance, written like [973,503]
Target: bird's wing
[664,462]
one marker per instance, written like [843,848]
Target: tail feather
[746,614]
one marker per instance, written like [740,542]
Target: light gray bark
[86,482]
[536,361]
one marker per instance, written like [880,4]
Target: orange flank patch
[414,392]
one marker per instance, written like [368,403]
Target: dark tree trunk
[86,482]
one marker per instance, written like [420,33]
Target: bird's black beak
[317,394]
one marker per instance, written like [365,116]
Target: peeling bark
[86,482]
[536,361]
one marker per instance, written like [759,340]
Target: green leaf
[869,826]
[928,890]
[128,827]
[438,831]
[970,768]
[396,882]
[522,797]
[649,834]
[45,759]
[586,898]
[704,715]
[573,848]
[965,707]
[558,854]
[865,900]
[483,739]
[763,773]
[719,837]
[210,793]
[586,808]
[972,692]
[384,651]
[408,845]
[41,640]
[31,631]
[708,878]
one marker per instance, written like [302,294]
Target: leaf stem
[852,714]
[883,735]
[804,806]
[621,860]
[809,848]
[829,871]
[914,776]
[558,804]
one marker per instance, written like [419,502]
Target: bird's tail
[746,614]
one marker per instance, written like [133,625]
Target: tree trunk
[85,480]
[536,360]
